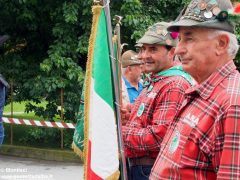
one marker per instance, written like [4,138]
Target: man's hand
[125,113]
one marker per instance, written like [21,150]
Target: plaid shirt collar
[206,88]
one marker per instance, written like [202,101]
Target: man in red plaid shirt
[157,104]
[203,142]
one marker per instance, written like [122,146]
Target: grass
[17,107]
[26,135]
[20,106]
[25,116]
[18,111]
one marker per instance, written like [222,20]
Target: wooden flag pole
[116,89]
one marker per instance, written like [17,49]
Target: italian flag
[101,142]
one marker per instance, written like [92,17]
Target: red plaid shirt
[203,141]
[146,128]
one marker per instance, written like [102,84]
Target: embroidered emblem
[175,142]
[140,109]
[191,120]
[152,95]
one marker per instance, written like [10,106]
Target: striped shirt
[203,142]
[151,114]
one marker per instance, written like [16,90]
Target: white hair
[233,42]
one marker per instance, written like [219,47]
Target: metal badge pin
[209,7]
[216,11]
[140,110]
[202,5]
[208,14]
[197,11]
[174,142]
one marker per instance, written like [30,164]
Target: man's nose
[145,54]
[180,49]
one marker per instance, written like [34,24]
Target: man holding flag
[98,118]
[158,103]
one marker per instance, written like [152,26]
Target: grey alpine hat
[130,58]
[158,34]
[211,14]
[138,45]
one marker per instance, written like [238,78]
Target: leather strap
[141,161]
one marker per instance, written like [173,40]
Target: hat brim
[213,24]
[149,40]
[126,64]
[138,45]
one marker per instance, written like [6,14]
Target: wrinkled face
[156,58]
[135,71]
[197,52]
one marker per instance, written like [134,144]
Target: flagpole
[117,33]
[116,90]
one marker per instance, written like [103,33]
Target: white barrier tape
[38,123]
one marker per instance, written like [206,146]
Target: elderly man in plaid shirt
[203,142]
[157,104]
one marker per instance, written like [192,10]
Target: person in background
[3,88]
[144,128]
[203,142]
[131,71]
[145,76]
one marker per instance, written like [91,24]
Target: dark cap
[212,14]
[158,34]
[130,58]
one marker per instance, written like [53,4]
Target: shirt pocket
[196,144]
[187,146]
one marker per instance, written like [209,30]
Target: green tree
[47,50]
[43,54]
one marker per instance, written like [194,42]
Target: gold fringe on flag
[77,151]
[114,176]
[96,10]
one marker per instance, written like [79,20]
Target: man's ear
[171,53]
[222,44]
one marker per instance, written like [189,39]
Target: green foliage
[42,56]
[38,136]
[138,15]
[47,50]
[47,136]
